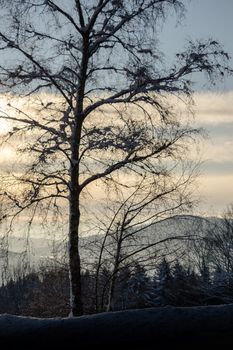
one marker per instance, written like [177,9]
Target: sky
[203,19]
[214,105]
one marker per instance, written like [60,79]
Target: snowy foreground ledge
[188,327]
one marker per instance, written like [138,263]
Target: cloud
[214,112]
[218,151]
[216,192]
[213,108]
[218,168]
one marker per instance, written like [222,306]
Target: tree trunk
[75,190]
[97,289]
[74,223]
[74,261]
[98,272]
[111,294]
[74,257]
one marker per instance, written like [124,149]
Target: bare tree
[88,93]
[132,227]
[219,239]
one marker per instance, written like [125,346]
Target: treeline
[45,293]
[191,272]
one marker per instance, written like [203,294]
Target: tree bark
[111,294]
[74,263]
[74,257]
[75,189]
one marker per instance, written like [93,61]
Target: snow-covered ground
[157,328]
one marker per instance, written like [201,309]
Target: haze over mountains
[39,250]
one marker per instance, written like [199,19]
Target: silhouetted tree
[164,283]
[141,291]
[85,82]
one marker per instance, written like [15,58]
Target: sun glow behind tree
[17,152]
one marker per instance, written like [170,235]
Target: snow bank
[142,329]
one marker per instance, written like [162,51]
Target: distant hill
[40,249]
